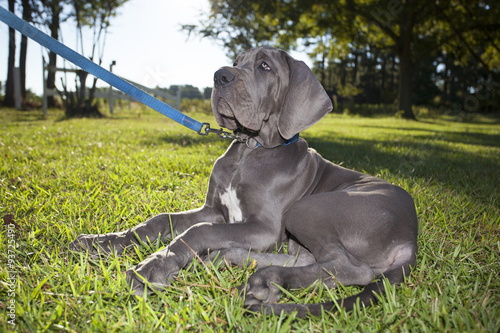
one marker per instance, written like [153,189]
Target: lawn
[60,178]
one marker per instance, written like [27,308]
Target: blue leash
[55,46]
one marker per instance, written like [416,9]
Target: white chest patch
[232,203]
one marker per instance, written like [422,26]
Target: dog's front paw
[100,244]
[156,272]
[261,287]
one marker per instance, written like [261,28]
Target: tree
[9,87]
[27,16]
[412,30]
[51,11]
[207,92]
[96,15]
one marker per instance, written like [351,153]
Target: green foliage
[62,178]
[196,106]
[95,12]
[32,100]
[94,15]
[239,24]
[411,51]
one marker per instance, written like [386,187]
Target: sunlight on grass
[60,178]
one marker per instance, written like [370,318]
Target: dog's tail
[367,297]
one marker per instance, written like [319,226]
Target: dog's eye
[265,67]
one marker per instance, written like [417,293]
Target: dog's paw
[96,245]
[156,272]
[262,287]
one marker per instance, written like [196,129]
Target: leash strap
[55,46]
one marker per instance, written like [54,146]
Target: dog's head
[268,95]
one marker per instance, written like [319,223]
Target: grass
[61,178]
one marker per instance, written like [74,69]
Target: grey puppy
[269,188]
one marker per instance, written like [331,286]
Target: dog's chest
[230,200]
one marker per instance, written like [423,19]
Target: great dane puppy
[269,187]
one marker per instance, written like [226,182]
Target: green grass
[59,179]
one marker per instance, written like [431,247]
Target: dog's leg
[261,287]
[344,269]
[162,225]
[262,292]
[244,257]
[160,268]
[362,235]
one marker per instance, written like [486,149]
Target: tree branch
[484,27]
[351,6]
[462,39]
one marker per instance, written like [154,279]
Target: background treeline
[392,53]
[370,76]
[188,91]
[399,52]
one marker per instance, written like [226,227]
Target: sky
[146,42]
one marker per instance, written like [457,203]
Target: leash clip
[205,130]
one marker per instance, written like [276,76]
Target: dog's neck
[252,143]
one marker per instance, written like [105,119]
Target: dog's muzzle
[223,78]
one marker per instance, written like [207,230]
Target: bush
[196,105]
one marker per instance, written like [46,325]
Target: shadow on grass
[491,140]
[467,172]
[21,116]
[187,139]
[414,157]
[417,156]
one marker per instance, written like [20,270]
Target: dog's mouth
[224,114]
[224,109]
[244,132]
[226,118]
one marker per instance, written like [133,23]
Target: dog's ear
[306,101]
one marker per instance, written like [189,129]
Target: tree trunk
[405,87]
[322,66]
[27,11]
[383,79]
[55,9]
[444,96]
[405,66]
[452,85]
[9,100]
[343,75]
[391,77]
[355,68]
[22,67]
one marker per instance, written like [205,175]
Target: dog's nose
[223,78]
